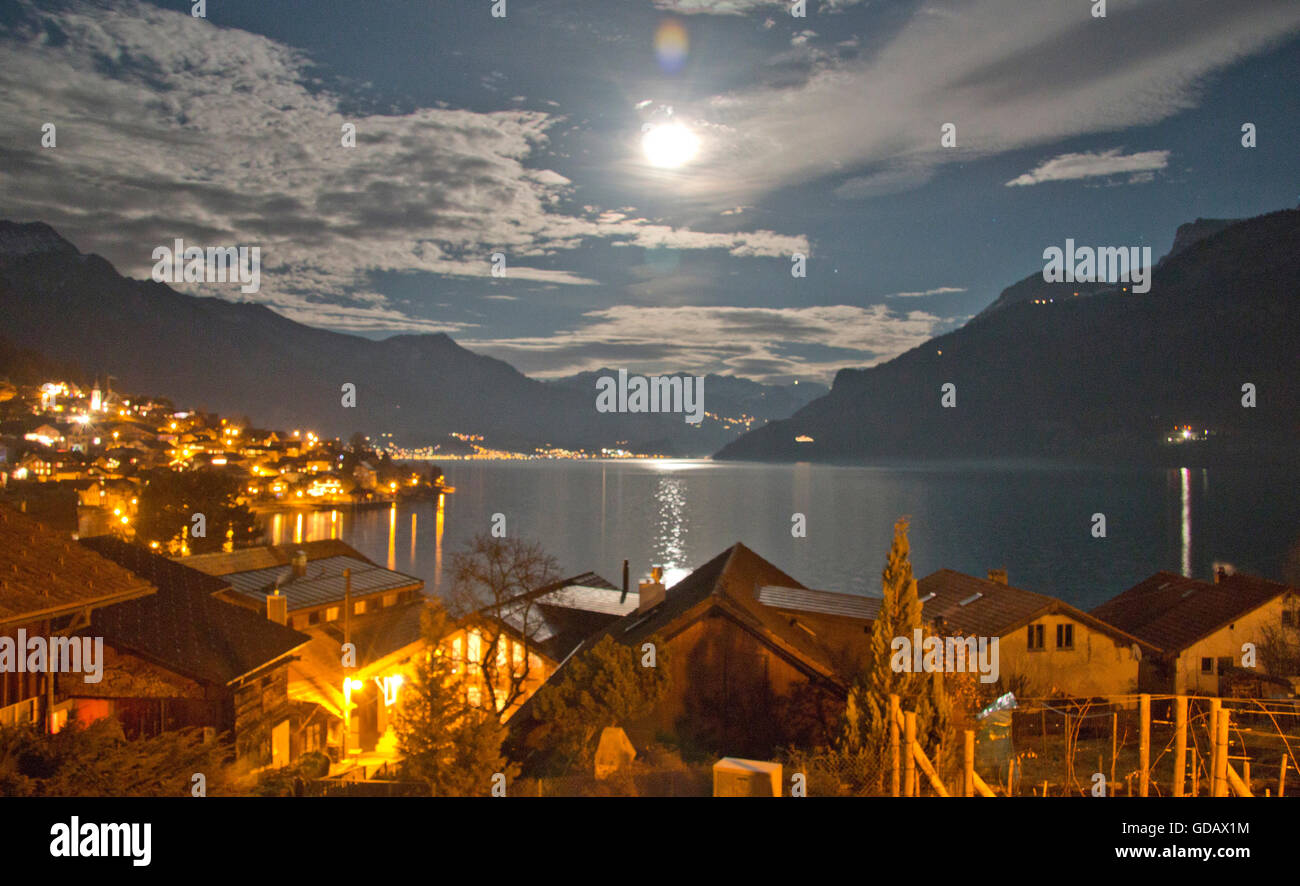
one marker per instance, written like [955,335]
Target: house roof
[730,582]
[266,556]
[183,626]
[561,615]
[973,606]
[45,574]
[821,602]
[1171,612]
[323,582]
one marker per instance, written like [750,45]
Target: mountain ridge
[1101,377]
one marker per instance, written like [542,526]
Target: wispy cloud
[941,290]
[170,127]
[762,343]
[743,7]
[1068,167]
[1007,74]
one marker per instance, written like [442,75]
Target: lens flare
[672,45]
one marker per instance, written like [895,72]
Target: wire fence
[1087,747]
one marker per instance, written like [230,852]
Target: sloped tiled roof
[323,582]
[995,610]
[1172,612]
[267,556]
[822,602]
[183,626]
[975,606]
[730,582]
[559,616]
[45,574]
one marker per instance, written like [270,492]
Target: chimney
[998,575]
[625,583]
[299,563]
[652,592]
[1219,574]
[277,608]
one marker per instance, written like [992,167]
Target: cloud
[171,127]
[942,290]
[1068,167]
[743,7]
[1008,75]
[763,343]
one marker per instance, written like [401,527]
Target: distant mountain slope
[726,395]
[245,359]
[1035,287]
[1101,377]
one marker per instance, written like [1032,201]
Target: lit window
[475,647]
[332,613]
[474,696]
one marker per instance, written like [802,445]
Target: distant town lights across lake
[1033,519]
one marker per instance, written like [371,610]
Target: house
[183,657]
[531,634]
[50,586]
[745,675]
[349,677]
[1197,627]
[315,579]
[1044,644]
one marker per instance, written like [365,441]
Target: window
[1288,618]
[389,600]
[1036,638]
[1207,666]
[474,652]
[474,696]
[313,617]
[332,613]
[359,607]
[1065,636]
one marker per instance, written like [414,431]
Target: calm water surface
[1036,520]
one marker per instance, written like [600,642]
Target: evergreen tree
[446,742]
[604,685]
[866,714]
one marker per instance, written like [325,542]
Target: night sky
[524,135]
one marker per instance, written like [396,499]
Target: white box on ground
[734,777]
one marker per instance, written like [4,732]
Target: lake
[1034,519]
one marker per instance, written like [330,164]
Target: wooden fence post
[968,766]
[1180,744]
[1144,745]
[893,745]
[1114,739]
[909,761]
[1213,726]
[1281,778]
[924,762]
[1221,756]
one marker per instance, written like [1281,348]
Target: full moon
[669,145]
